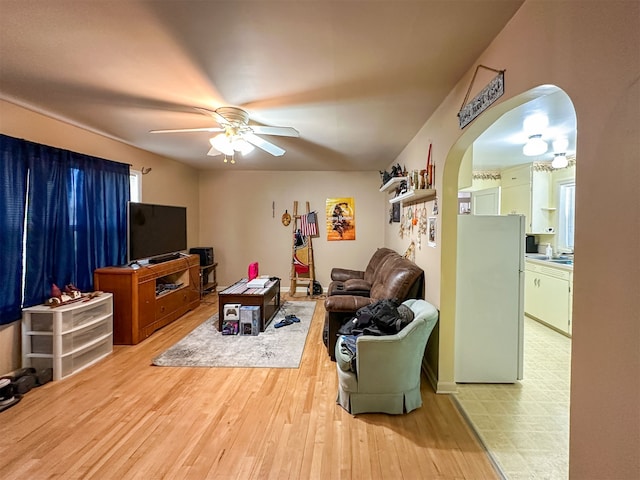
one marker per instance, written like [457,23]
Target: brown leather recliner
[358,282]
[397,278]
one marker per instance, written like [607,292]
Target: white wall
[590,49]
[237,218]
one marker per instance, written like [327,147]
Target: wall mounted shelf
[394,181]
[415,196]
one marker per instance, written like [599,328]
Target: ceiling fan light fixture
[535,146]
[237,135]
[221,143]
[241,145]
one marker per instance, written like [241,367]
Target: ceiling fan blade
[263,144]
[280,131]
[212,113]
[183,130]
[213,152]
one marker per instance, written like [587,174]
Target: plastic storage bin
[67,338]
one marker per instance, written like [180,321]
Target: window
[135,185]
[64,215]
[566,215]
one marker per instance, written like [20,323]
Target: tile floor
[525,426]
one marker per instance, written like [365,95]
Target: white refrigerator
[489,299]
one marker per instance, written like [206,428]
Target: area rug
[274,348]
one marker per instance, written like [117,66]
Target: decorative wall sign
[341,219]
[489,94]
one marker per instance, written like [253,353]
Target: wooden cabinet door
[146,304]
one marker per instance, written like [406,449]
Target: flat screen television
[155,230]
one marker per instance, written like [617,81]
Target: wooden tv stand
[137,310]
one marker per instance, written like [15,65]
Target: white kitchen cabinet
[547,295]
[526,191]
[486,201]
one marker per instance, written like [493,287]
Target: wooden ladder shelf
[302,268]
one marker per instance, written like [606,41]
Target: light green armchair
[387,376]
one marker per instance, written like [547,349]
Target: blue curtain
[76,220]
[13,188]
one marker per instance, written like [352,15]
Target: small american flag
[308,224]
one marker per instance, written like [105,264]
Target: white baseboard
[439,387]
[447,387]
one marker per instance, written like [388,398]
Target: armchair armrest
[344,274]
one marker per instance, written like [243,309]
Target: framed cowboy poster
[341,219]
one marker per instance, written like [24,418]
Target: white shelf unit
[410,197]
[67,338]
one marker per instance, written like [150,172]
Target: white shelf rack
[67,338]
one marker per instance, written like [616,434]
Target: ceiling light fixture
[559,160]
[228,144]
[535,146]
[241,145]
[533,127]
[560,153]
[221,143]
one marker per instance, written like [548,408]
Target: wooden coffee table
[267,298]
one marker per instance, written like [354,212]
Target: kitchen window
[566,215]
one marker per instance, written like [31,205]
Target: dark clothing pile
[384,317]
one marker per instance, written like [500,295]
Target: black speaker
[206,255]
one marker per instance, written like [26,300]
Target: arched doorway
[506,120]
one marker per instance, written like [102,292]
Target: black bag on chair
[384,317]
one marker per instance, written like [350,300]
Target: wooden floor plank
[124,418]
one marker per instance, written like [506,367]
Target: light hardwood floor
[125,419]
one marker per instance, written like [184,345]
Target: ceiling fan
[236,135]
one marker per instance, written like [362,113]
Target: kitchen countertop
[542,259]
